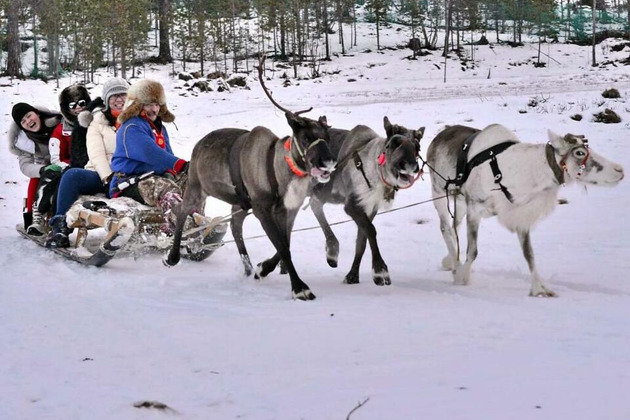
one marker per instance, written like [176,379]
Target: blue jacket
[137,152]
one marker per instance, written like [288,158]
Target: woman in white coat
[100,143]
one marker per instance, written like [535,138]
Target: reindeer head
[310,140]
[399,160]
[582,164]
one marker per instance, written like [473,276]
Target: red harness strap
[289,160]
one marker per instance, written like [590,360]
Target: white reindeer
[523,192]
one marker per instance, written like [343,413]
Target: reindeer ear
[295,122]
[323,121]
[388,127]
[556,141]
[419,133]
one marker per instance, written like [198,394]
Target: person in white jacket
[28,138]
[100,143]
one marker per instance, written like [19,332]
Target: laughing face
[151,110]
[31,122]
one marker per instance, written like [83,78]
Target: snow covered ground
[89,343]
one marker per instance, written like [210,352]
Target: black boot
[58,236]
[28,219]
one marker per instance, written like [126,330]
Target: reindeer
[381,166]
[257,170]
[500,176]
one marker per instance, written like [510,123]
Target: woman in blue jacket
[143,163]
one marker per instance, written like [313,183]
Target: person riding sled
[72,101]
[144,165]
[93,144]
[28,138]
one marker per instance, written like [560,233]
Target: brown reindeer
[370,170]
[257,170]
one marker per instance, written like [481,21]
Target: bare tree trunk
[13,39]
[325,19]
[340,22]
[449,12]
[594,33]
[164,55]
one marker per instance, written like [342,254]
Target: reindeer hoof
[382,278]
[542,291]
[461,277]
[351,278]
[332,261]
[168,262]
[305,294]
[259,274]
[447,263]
[332,254]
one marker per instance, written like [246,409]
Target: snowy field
[89,343]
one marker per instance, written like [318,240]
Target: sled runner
[124,226]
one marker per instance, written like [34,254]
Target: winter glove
[107,180]
[53,167]
[49,168]
[180,167]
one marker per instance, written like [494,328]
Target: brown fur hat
[144,92]
[73,93]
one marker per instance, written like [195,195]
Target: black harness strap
[558,173]
[464,167]
[235,173]
[358,163]
[271,173]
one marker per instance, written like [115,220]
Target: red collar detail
[159,137]
[290,162]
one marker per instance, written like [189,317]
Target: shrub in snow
[607,116]
[611,93]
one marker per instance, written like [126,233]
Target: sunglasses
[73,105]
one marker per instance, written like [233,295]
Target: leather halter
[560,168]
[301,153]
[289,159]
[381,160]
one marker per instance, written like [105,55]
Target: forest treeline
[219,35]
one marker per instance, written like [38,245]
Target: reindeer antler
[261,62]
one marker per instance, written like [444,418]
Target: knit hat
[114,86]
[145,92]
[20,110]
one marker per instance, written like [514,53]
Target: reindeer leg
[236,226]
[462,273]
[380,273]
[191,200]
[538,288]
[448,227]
[353,275]
[332,244]
[270,264]
[268,220]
